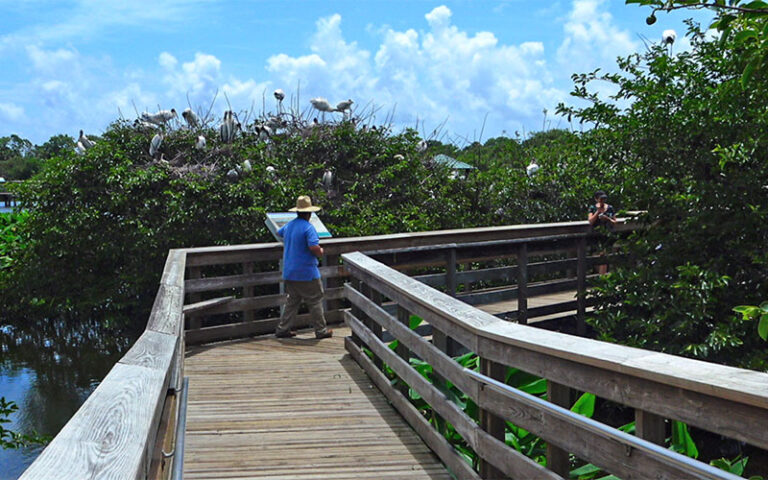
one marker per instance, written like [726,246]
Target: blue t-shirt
[299,264]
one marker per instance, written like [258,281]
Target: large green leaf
[585,405]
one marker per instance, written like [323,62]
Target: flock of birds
[228,128]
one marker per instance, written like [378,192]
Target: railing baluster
[649,426]
[558,460]
[495,426]
[450,272]
[402,351]
[522,284]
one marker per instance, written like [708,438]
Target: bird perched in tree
[279,94]
[422,146]
[80,149]
[275,123]
[160,118]
[154,145]
[141,124]
[87,143]
[531,169]
[271,170]
[200,143]
[399,157]
[321,104]
[668,37]
[232,174]
[264,132]
[247,167]
[328,179]
[344,106]
[228,127]
[191,118]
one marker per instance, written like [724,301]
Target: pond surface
[48,368]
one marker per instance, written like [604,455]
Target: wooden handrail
[220,255]
[713,397]
[113,435]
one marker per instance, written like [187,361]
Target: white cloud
[443,72]
[592,38]
[11,112]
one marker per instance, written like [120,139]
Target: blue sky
[72,64]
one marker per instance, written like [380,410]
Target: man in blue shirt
[301,249]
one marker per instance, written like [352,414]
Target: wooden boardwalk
[294,409]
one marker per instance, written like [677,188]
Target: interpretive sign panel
[276,220]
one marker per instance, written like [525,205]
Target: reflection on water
[49,367]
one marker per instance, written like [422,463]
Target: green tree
[688,148]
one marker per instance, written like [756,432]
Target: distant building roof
[451,162]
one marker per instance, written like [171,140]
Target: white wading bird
[321,104]
[344,106]
[247,166]
[531,169]
[668,37]
[159,118]
[328,179]
[228,127]
[191,118]
[154,145]
[200,143]
[422,146]
[85,141]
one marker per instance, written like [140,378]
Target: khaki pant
[311,293]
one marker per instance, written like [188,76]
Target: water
[49,367]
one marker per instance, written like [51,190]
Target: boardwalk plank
[294,409]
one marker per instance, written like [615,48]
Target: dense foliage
[99,225]
[20,160]
[689,141]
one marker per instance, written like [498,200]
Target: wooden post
[522,284]
[248,315]
[489,422]
[442,341]
[581,286]
[402,351]
[651,427]
[558,460]
[195,321]
[450,272]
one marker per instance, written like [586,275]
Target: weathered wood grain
[453,460]
[619,453]
[110,436]
[492,450]
[166,315]
[294,409]
[626,375]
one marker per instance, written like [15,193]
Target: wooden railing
[113,435]
[117,432]
[234,291]
[728,401]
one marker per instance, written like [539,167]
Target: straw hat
[304,204]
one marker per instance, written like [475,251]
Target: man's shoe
[287,334]
[326,334]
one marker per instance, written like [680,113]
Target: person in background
[301,251]
[601,214]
